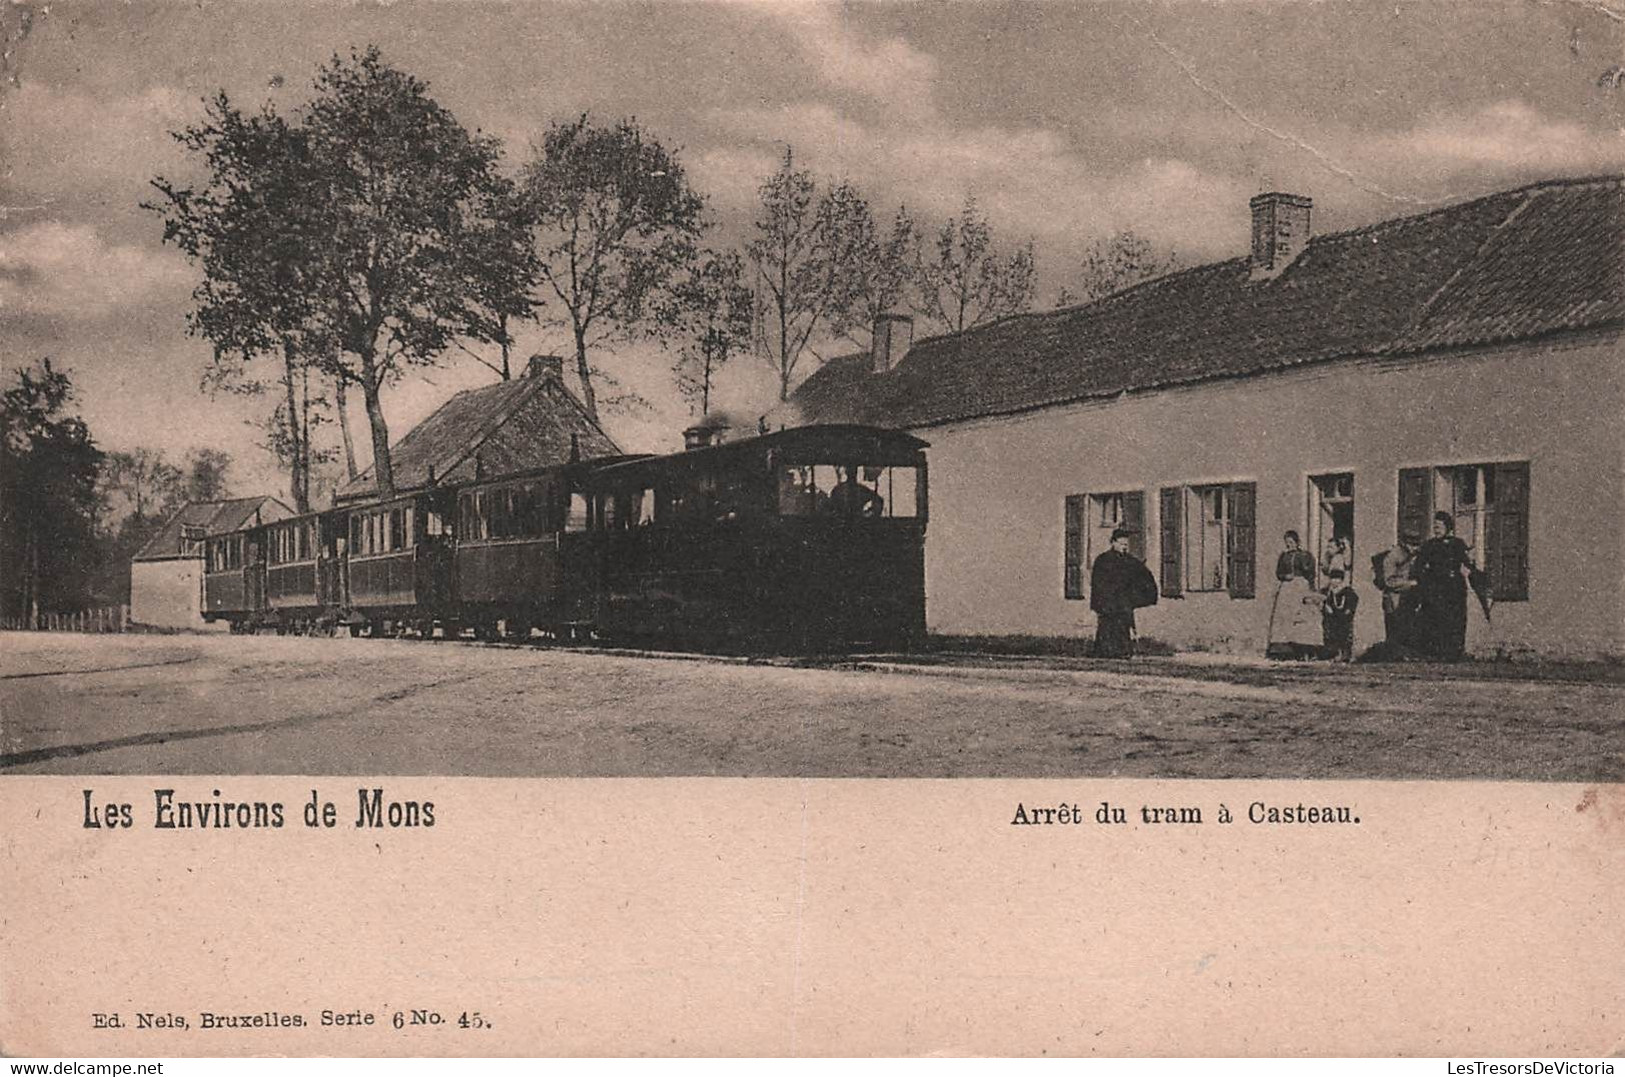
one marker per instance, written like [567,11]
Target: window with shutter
[1169,514]
[1489,504]
[1072,573]
[1134,521]
[1243,540]
[1415,501]
[1507,537]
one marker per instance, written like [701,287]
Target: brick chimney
[545,366]
[1280,232]
[894,333]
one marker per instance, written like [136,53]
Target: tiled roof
[1513,265]
[512,426]
[212,518]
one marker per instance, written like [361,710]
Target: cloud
[1503,136]
[888,71]
[65,147]
[1030,181]
[70,271]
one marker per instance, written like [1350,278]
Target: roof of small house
[1515,265]
[513,426]
[208,518]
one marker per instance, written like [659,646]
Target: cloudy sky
[1067,121]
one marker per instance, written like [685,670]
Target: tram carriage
[803,538]
[509,564]
[230,565]
[272,575]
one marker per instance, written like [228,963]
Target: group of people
[1310,622]
[1424,593]
[1424,589]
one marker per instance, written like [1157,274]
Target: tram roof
[823,443]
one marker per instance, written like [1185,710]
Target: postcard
[811,529]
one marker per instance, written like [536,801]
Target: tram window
[497,514]
[797,494]
[577,518]
[901,488]
[528,519]
[870,492]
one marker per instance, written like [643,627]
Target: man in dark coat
[1119,584]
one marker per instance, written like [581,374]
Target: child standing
[1337,616]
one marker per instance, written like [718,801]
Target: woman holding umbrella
[1443,570]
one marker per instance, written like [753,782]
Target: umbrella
[1479,581]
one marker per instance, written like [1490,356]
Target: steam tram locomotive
[805,538]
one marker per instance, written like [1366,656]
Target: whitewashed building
[1467,360]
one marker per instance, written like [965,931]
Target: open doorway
[1331,521]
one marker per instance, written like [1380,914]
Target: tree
[507,272]
[207,475]
[369,220]
[615,225]
[141,483]
[48,497]
[883,272]
[964,280]
[1113,264]
[251,228]
[817,266]
[710,312]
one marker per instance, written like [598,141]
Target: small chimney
[545,366]
[700,437]
[894,333]
[1280,232]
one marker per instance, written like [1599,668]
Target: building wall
[167,594]
[995,544]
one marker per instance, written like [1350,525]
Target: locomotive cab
[812,537]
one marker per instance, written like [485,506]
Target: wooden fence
[101,619]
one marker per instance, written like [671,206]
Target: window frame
[1239,559]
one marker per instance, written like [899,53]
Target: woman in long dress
[1295,630]
[1442,568]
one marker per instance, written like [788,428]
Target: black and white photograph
[1173,393]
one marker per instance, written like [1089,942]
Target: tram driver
[851,498]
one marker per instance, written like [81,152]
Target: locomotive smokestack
[711,430]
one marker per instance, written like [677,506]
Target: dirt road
[264,705]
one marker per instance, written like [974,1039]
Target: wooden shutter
[1415,501]
[1168,519]
[1077,508]
[1134,521]
[1507,553]
[1243,540]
